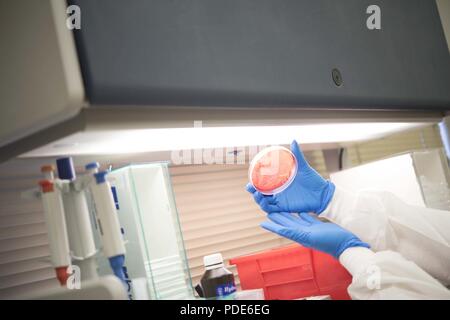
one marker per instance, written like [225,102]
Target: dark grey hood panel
[263,53]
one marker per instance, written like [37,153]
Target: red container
[293,272]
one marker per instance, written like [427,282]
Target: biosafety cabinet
[109,79]
[165,64]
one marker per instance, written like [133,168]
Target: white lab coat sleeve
[386,275]
[421,235]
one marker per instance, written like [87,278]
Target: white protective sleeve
[381,219]
[386,275]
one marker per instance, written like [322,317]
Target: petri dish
[272,170]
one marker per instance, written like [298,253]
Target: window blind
[25,267]
[418,139]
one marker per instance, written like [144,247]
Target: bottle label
[225,291]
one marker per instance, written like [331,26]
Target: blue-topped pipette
[108,220]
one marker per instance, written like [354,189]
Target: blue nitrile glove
[312,233]
[309,192]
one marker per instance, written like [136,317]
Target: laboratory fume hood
[138,75]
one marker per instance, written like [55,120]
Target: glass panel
[148,215]
[136,251]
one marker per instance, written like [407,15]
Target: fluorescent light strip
[150,140]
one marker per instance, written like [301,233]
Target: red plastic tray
[293,272]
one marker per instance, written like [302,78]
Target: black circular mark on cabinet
[337,77]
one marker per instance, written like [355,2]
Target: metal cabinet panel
[40,78]
[263,53]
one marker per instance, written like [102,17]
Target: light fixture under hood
[124,141]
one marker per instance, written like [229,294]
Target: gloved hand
[309,192]
[312,233]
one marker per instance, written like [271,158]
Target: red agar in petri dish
[272,170]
